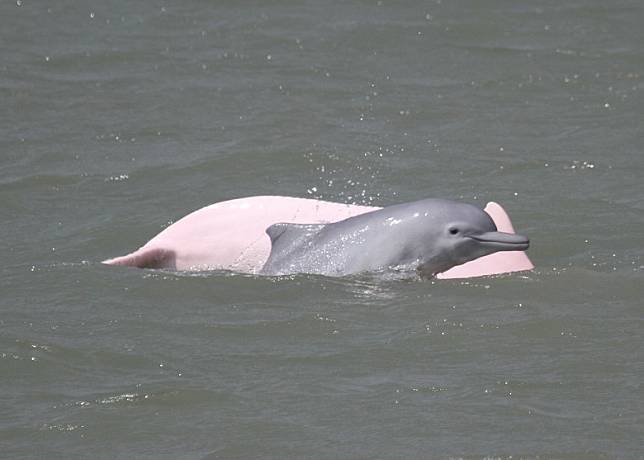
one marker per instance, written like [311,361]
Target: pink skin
[230,235]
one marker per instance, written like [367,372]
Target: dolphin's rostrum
[430,235]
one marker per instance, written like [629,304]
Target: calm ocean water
[117,118]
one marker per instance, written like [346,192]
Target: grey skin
[430,235]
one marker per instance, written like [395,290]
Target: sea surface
[118,118]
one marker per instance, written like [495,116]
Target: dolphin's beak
[501,241]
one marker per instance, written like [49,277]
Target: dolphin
[231,235]
[430,235]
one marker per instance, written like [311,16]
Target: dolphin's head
[456,233]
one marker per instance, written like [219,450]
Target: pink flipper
[146,258]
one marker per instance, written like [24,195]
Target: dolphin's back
[351,245]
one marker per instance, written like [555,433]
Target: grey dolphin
[430,235]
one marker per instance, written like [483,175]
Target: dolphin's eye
[453,231]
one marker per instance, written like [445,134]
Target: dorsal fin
[288,240]
[287,234]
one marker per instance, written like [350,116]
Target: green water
[117,118]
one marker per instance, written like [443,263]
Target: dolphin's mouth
[502,241]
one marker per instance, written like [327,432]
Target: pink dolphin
[231,235]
